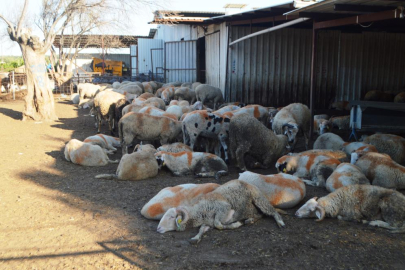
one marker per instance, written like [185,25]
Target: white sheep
[281,190]
[351,147]
[157,102]
[373,205]
[390,144]
[86,154]
[248,136]
[380,169]
[88,90]
[176,110]
[290,119]
[259,112]
[139,165]
[104,141]
[104,106]
[223,208]
[175,148]
[228,108]
[170,197]
[157,112]
[345,174]
[147,127]
[207,93]
[198,163]
[185,93]
[329,141]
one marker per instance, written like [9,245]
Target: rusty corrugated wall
[274,69]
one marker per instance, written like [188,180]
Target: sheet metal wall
[274,69]
[144,55]
[181,61]
[134,59]
[176,32]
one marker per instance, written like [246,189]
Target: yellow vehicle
[110,67]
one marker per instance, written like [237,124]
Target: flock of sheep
[177,117]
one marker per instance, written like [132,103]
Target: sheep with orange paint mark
[168,94]
[390,144]
[157,112]
[314,169]
[227,207]
[169,197]
[145,127]
[104,141]
[380,169]
[139,165]
[346,174]
[257,111]
[351,147]
[281,190]
[157,102]
[175,148]
[198,163]
[86,154]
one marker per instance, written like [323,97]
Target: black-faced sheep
[249,136]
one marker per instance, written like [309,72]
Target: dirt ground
[55,215]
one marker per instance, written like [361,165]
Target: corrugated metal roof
[328,6]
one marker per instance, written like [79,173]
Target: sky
[139,21]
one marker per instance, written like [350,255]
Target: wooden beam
[380,16]
[266,20]
[362,8]
[313,79]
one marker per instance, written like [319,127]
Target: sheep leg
[240,154]
[381,224]
[203,229]
[261,202]
[252,220]
[223,143]
[231,226]
[310,182]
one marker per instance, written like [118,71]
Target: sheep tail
[106,176]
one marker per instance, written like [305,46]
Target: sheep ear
[320,213]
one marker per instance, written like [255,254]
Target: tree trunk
[39,102]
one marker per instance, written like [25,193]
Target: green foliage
[8,63]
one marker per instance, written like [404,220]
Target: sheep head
[175,219]
[291,131]
[311,209]
[160,159]
[324,126]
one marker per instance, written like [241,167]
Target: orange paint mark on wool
[155,210]
[256,112]
[189,158]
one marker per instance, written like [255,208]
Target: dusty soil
[55,215]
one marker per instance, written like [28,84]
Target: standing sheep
[376,206]
[207,93]
[290,120]
[104,105]
[248,136]
[223,208]
[185,93]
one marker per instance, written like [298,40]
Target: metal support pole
[102,51]
[13,87]
[313,79]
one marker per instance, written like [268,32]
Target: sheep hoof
[194,241]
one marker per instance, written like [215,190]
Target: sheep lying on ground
[197,163]
[376,206]
[104,106]
[316,168]
[208,125]
[341,122]
[147,127]
[104,141]
[86,154]
[207,93]
[136,166]
[175,148]
[380,169]
[337,154]
[75,98]
[349,148]
[223,208]
[248,136]
[392,145]
[346,174]
[329,141]
[225,109]
[185,93]
[281,190]
[376,95]
[170,197]
[290,119]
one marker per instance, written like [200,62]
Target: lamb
[207,93]
[171,197]
[157,102]
[136,166]
[341,122]
[200,163]
[373,205]
[104,141]
[168,94]
[223,208]
[86,154]
[380,169]
[345,174]
[392,145]
[175,148]
[147,127]
[281,190]
[349,148]
[289,120]
[104,106]
[157,112]
[88,90]
[329,141]
[248,136]
[308,165]
[185,93]
[208,125]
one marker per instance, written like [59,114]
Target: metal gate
[134,60]
[156,59]
[181,61]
